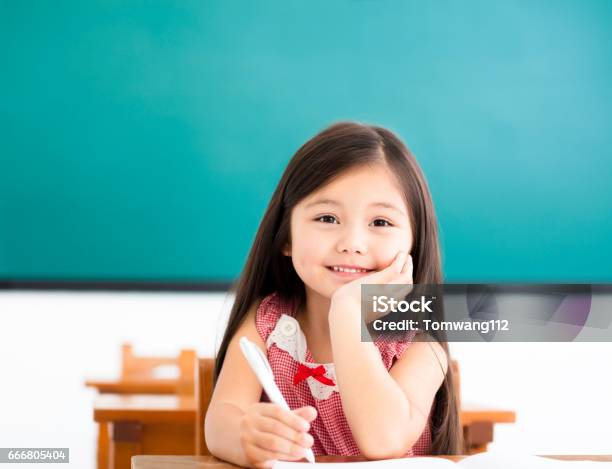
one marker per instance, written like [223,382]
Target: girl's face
[351,227]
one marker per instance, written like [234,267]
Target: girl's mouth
[345,271]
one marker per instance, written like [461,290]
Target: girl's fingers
[277,446]
[400,261]
[403,279]
[406,276]
[274,427]
[408,267]
[266,457]
[308,413]
[390,272]
[399,271]
[287,417]
[398,267]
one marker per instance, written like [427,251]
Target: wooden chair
[144,375]
[204,390]
[140,375]
[137,368]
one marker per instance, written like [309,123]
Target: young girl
[352,207]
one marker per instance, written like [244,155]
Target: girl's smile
[349,271]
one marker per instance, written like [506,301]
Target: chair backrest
[135,368]
[204,390]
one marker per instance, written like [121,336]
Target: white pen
[261,367]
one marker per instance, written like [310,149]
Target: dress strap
[269,311]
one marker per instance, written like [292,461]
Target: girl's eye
[382,222]
[327,219]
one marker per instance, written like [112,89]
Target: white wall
[51,342]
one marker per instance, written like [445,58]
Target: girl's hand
[268,432]
[398,273]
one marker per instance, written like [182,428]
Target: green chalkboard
[141,140]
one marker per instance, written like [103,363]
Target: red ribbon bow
[317,373]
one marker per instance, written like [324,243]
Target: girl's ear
[287,250]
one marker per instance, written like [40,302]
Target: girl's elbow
[208,434]
[389,447]
[212,433]
[380,452]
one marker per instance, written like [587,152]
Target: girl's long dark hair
[330,153]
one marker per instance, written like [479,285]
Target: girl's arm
[386,410]
[236,388]
[239,428]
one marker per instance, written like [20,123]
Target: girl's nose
[352,240]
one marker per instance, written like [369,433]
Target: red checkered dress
[286,347]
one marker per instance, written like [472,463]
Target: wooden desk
[137,424]
[149,424]
[141,386]
[478,423]
[210,462]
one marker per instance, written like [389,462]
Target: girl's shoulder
[392,348]
[271,308]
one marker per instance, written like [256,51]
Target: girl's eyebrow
[322,202]
[389,206]
[338,204]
